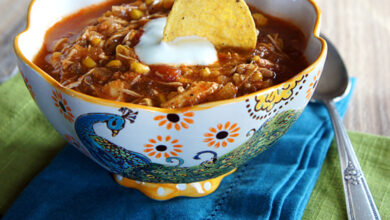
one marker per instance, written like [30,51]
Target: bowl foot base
[165,191]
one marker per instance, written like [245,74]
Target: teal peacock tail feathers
[122,155]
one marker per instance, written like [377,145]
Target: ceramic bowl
[168,153]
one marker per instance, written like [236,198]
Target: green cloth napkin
[327,200]
[27,140]
[28,143]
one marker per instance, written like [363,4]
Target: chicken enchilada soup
[113,50]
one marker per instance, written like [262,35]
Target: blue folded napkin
[275,185]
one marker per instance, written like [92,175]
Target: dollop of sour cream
[191,50]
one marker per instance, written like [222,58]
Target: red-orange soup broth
[92,51]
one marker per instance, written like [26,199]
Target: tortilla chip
[225,23]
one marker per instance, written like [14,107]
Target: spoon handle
[360,204]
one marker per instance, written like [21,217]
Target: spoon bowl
[334,83]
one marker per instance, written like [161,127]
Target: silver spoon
[333,86]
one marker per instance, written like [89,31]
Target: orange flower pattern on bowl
[175,120]
[222,135]
[313,85]
[62,105]
[166,147]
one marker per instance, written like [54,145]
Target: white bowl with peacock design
[168,153]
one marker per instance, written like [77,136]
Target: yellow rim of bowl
[111,103]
